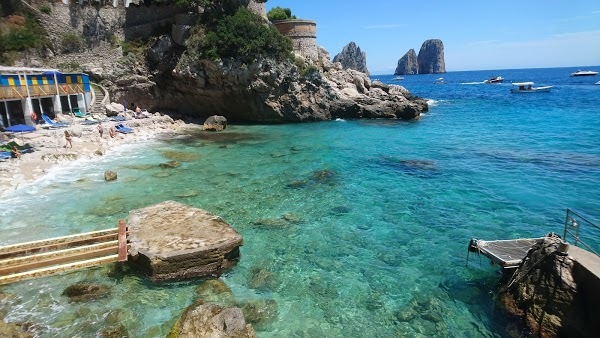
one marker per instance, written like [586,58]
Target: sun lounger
[78,112]
[26,148]
[51,123]
[122,129]
[4,155]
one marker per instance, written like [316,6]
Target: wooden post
[122,241]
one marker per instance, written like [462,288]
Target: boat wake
[472,83]
[433,103]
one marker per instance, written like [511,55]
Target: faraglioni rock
[407,65]
[431,57]
[352,57]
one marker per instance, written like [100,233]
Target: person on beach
[14,152]
[100,129]
[68,138]
[112,132]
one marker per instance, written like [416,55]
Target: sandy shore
[49,146]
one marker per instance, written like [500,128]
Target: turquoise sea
[351,228]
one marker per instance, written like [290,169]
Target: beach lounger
[122,129]
[26,148]
[51,123]
[78,112]
[5,155]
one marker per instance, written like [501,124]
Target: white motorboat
[598,83]
[439,81]
[527,87]
[495,79]
[584,73]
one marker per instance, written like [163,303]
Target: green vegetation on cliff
[278,13]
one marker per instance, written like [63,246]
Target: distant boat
[397,78]
[584,73]
[495,79]
[598,83]
[439,81]
[527,87]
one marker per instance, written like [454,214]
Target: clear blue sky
[476,34]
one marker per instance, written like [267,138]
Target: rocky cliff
[407,65]
[163,74]
[429,61]
[352,57]
[431,57]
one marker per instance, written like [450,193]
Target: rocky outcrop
[407,65]
[265,91]
[173,241]
[352,57]
[429,61]
[212,320]
[431,57]
[545,292]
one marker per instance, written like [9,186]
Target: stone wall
[303,34]
[258,8]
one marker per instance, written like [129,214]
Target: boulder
[431,57]
[215,123]
[544,292]
[113,109]
[407,65]
[173,241]
[110,176]
[211,320]
[352,57]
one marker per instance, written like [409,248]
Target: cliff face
[352,57]
[431,57]
[165,76]
[266,91]
[407,65]
[429,61]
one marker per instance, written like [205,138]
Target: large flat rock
[173,241]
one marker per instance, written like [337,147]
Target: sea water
[353,228]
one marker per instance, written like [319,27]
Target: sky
[477,35]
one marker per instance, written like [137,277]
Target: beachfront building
[27,93]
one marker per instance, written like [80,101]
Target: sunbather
[15,153]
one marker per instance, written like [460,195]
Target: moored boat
[584,73]
[495,79]
[527,87]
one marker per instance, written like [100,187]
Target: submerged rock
[260,311]
[211,320]
[180,156]
[169,165]
[86,291]
[215,291]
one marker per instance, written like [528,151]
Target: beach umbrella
[20,128]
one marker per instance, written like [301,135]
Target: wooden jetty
[61,254]
[506,253]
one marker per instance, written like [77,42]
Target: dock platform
[506,253]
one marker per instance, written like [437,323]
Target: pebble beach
[49,149]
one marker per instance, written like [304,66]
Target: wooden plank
[57,269]
[58,246]
[122,241]
[59,260]
[57,240]
[55,254]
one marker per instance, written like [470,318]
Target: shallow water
[353,228]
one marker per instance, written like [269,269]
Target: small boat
[397,78]
[439,81]
[584,73]
[527,87]
[598,83]
[495,79]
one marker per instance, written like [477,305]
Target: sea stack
[429,61]
[352,57]
[431,57]
[407,65]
